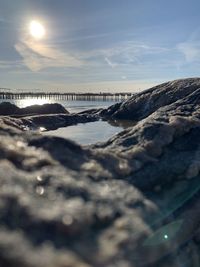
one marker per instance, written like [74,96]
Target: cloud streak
[110,63]
[124,54]
[37,56]
[190,50]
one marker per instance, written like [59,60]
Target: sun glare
[37,30]
[32,101]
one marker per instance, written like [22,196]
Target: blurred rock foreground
[133,201]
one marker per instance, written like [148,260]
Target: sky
[98,46]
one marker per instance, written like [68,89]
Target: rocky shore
[132,201]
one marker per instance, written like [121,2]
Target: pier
[65,96]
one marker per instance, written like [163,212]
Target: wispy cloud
[125,61]
[190,50]
[37,56]
[124,54]
[110,63]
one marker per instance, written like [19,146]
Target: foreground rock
[132,201]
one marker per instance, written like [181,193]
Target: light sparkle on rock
[39,178]
[42,129]
[40,190]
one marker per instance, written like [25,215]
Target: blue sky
[90,45]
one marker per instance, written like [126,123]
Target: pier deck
[66,96]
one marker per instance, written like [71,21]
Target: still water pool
[87,133]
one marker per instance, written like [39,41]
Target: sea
[82,133]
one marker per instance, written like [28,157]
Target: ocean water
[83,133]
[71,106]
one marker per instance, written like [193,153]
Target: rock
[55,121]
[7,108]
[141,105]
[44,109]
[132,201]
[47,116]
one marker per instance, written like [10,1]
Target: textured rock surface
[145,103]
[132,201]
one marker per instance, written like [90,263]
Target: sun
[37,30]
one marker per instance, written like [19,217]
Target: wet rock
[131,201]
[55,121]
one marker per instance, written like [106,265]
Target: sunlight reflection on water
[22,103]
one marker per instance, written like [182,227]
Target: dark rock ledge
[7,108]
[132,201]
[47,116]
